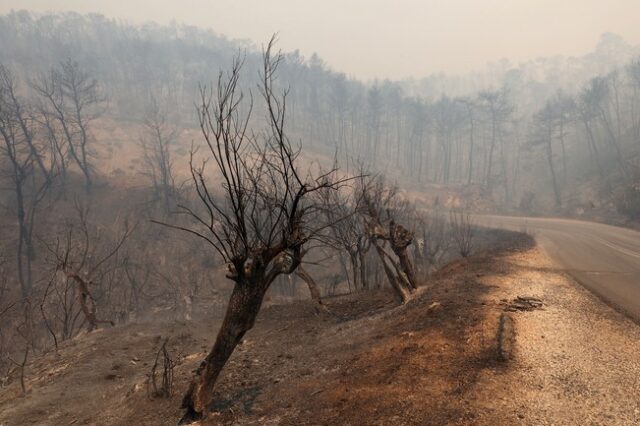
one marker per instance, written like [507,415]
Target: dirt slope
[431,362]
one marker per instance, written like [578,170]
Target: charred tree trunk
[313,287]
[407,268]
[401,293]
[87,302]
[355,269]
[23,253]
[242,311]
[363,270]
[400,239]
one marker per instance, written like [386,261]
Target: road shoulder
[575,361]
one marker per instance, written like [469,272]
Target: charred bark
[87,302]
[311,283]
[363,269]
[401,293]
[244,305]
[400,238]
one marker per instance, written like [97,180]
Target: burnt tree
[155,142]
[263,214]
[20,160]
[69,100]
[348,235]
[81,256]
[381,227]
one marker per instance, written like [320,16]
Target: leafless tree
[71,98]
[165,388]
[269,213]
[597,95]
[23,117]
[543,134]
[381,227]
[449,117]
[25,331]
[139,276]
[82,256]
[588,114]
[156,140]
[57,151]
[7,307]
[462,231]
[20,159]
[348,235]
[549,124]
[497,109]
[470,107]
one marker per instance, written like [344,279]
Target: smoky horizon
[384,39]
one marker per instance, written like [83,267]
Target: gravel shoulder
[576,362]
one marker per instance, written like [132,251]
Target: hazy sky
[390,38]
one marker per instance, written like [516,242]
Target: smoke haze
[389,39]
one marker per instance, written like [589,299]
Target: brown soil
[434,361]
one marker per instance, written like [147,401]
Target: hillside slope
[432,362]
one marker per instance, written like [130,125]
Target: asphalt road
[605,259]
